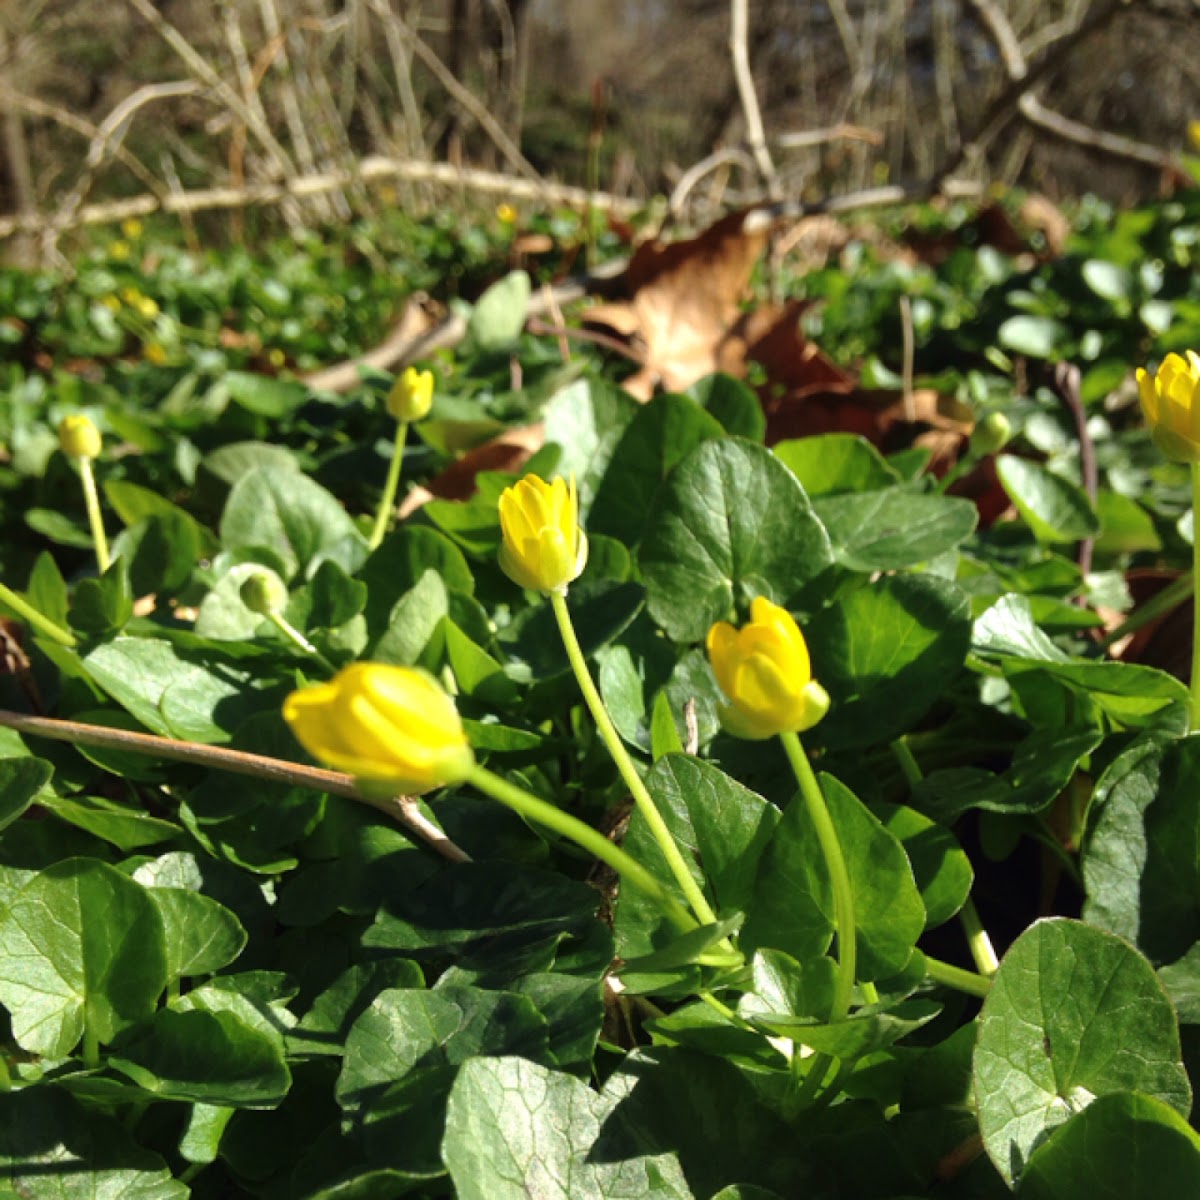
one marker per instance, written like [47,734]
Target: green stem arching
[1194,723]
[632,780]
[43,624]
[298,639]
[92,499]
[957,978]
[383,514]
[839,876]
[542,813]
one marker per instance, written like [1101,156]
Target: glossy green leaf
[1122,1145]
[661,434]
[404,1051]
[287,514]
[515,1129]
[81,948]
[1141,865]
[53,1148]
[201,935]
[1037,337]
[21,779]
[939,864]
[885,653]
[732,403]
[1038,1060]
[1055,509]
[722,829]
[206,1057]
[891,529]
[731,523]
[832,464]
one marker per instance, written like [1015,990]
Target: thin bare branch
[739,23]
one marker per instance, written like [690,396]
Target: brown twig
[403,809]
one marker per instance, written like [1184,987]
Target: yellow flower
[383,724]
[78,437]
[506,214]
[118,250]
[131,227]
[1171,404]
[411,396]
[764,670]
[1194,133]
[154,353]
[544,548]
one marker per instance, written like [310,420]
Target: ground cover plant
[784,786]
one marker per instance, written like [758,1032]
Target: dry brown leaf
[682,298]
[510,451]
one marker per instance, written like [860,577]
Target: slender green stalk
[92,500]
[956,977]
[91,1046]
[980,944]
[839,876]
[383,515]
[1161,602]
[298,639]
[43,624]
[1195,719]
[583,835]
[620,756]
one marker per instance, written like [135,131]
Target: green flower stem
[980,944]
[1177,591]
[92,500]
[26,611]
[957,978]
[91,1046]
[383,516]
[298,639]
[633,781]
[835,861]
[1194,724]
[583,835]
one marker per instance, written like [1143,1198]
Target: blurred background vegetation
[158,98]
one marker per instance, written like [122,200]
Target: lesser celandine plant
[80,440]
[1170,400]
[395,729]
[409,400]
[544,549]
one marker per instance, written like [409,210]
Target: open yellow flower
[78,437]
[1171,404]
[411,396]
[544,548]
[383,724]
[765,671]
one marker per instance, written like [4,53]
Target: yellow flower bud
[1171,404]
[544,548]
[383,724]
[411,396]
[764,670]
[78,437]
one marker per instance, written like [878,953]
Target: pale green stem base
[43,624]
[383,515]
[980,944]
[957,978]
[542,813]
[1194,724]
[632,780]
[839,876]
[298,639]
[92,500]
